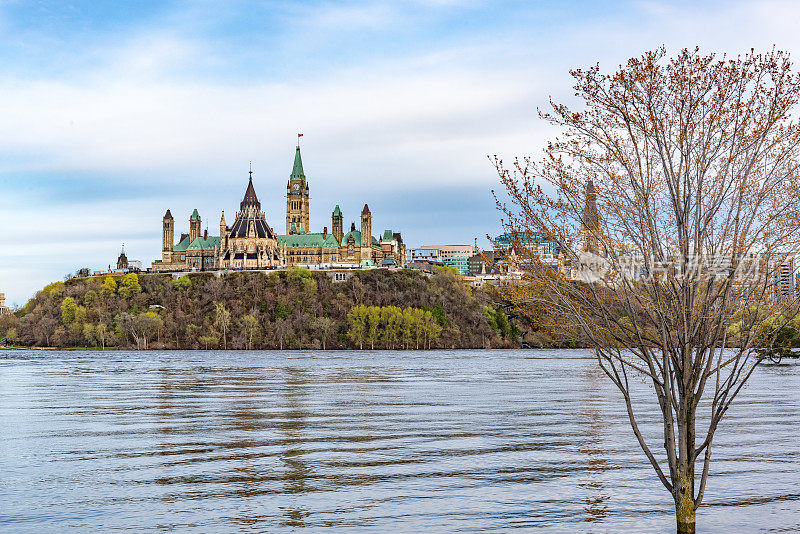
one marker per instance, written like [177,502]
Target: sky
[113,112]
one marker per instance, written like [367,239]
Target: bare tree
[678,178]
[324,327]
[222,321]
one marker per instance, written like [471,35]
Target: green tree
[109,286]
[209,339]
[357,321]
[281,311]
[129,286]
[373,325]
[222,321]
[90,334]
[68,310]
[183,283]
[324,326]
[11,336]
[250,325]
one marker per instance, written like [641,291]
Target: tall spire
[297,168]
[250,197]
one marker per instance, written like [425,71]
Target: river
[439,441]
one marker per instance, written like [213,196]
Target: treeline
[393,327]
[294,309]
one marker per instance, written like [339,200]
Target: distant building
[537,243]
[3,309]
[122,260]
[456,256]
[487,263]
[124,265]
[250,242]
[784,274]
[591,226]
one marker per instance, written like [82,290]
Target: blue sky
[113,112]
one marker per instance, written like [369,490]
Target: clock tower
[297,199]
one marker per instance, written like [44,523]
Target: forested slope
[284,309]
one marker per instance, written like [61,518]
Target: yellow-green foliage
[129,286]
[392,326]
[184,282]
[109,286]
[55,290]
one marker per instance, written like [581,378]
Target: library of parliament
[251,243]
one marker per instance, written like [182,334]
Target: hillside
[253,310]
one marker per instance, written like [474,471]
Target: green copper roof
[387,235]
[293,229]
[195,215]
[204,243]
[356,235]
[337,211]
[307,241]
[297,169]
[182,246]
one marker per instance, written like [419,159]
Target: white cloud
[383,124]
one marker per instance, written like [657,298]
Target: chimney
[324,232]
[205,234]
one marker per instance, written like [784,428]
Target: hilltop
[293,309]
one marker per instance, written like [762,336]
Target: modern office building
[456,256]
[536,242]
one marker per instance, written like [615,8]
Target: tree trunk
[684,484]
[684,504]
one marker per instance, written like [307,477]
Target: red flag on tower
[299,135]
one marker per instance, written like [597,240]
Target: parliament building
[251,243]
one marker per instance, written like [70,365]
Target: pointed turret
[297,168]
[167,237]
[336,224]
[250,198]
[195,223]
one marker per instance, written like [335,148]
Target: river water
[461,441]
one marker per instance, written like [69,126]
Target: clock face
[296,188]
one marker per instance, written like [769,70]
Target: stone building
[3,308]
[251,243]
[193,252]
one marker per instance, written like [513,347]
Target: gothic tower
[223,230]
[590,221]
[366,234]
[167,238]
[336,224]
[297,199]
[122,260]
[194,226]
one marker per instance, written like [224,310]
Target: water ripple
[453,441]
